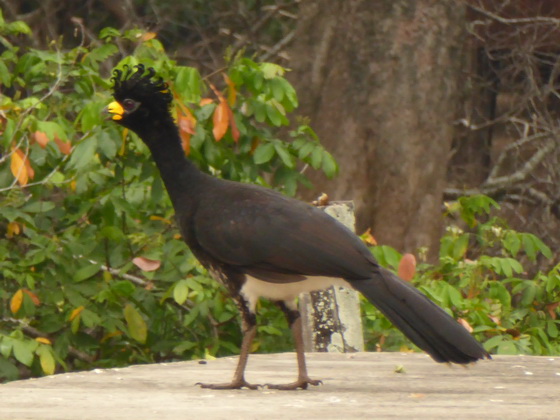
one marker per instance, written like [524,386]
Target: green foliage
[92,270]
[481,278]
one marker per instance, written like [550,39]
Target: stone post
[331,318]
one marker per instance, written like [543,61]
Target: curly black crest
[139,83]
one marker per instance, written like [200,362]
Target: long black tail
[422,321]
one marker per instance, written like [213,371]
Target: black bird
[259,243]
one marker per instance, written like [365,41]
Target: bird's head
[140,98]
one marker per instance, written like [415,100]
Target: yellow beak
[116,109]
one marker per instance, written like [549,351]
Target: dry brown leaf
[147,36]
[465,324]
[146,264]
[407,267]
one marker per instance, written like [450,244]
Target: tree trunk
[379,80]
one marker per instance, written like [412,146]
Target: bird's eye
[129,104]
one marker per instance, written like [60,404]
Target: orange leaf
[221,120]
[187,122]
[147,36]
[368,238]
[33,296]
[551,308]
[465,324]
[161,219]
[13,229]
[65,147]
[407,267]
[17,300]
[217,92]
[111,335]
[43,340]
[256,141]
[18,167]
[221,117]
[185,141]
[123,145]
[75,313]
[41,138]
[205,101]
[232,92]
[146,264]
[234,130]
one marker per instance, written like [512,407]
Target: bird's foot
[235,384]
[301,383]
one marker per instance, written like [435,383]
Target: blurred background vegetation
[92,271]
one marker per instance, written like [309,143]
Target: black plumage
[259,243]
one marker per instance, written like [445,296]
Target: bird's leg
[303,380]
[249,326]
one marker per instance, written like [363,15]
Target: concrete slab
[356,386]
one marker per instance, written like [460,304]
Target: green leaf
[274,115]
[552,329]
[109,32]
[277,88]
[305,150]
[5,75]
[137,327]
[286,157]
[23,351]
[103,52]
[460,246]
[38,207]
[263,153]
[181,291]
[123,288]
[329,165]
[86,272]
[6,345]
[46,359]
[316,157]
[271,70]
[188,84]
[512,243]
[82,154]
[493,342]
[507,347]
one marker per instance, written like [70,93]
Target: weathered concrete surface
[356,386]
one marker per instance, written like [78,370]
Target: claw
[231,385]
[299,384]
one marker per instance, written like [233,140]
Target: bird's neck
[181,177]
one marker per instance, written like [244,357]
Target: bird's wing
[277,238]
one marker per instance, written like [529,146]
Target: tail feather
[422,321]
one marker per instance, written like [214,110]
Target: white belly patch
[254,288]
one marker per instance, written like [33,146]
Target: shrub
[481,280]
[92,270]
